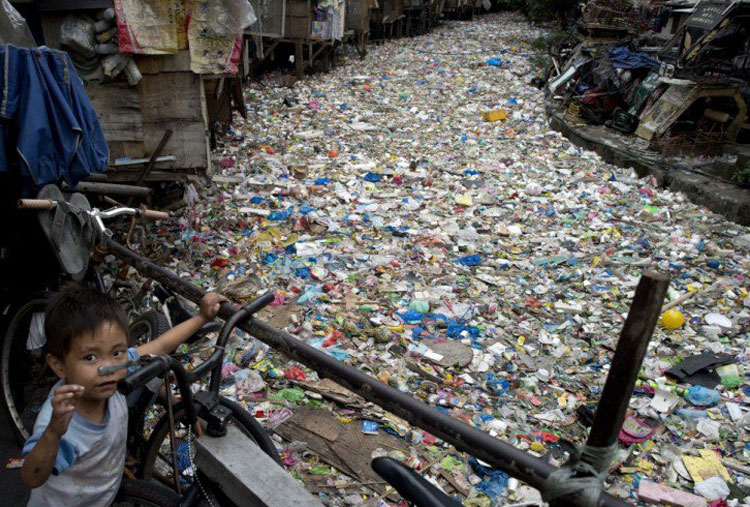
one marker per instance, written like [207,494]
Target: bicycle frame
[588,491]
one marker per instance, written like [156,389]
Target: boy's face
[108,345]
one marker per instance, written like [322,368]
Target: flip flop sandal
[68,230]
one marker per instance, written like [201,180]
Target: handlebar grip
[41,204]
[154,215]
[142,375]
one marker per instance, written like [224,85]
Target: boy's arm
[40,461]
[38,464]
[170,340]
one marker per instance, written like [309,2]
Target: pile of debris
[673,74]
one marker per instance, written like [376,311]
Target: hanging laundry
[44,102]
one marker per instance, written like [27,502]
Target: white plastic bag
[13,28]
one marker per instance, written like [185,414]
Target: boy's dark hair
[76,311]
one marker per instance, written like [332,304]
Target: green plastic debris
[419,306]
[731,381]
[293,395]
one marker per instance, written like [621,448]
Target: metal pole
[631,349]
[480,444]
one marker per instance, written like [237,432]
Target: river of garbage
[417,218]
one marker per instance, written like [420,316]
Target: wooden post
[631,349]
[299,59]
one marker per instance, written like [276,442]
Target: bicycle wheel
[144,494]
[158,462]
[25,376]
[146,327]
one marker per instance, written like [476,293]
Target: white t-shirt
[90,459]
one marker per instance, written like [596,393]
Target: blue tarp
[43,100]
[623,58]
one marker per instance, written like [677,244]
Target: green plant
[545,46]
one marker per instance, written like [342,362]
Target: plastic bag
[146,27]
[13,28]
[77,34]
[215,34]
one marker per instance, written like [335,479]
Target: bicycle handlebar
[154,215]
[48,204]
[158,366]
[243,313]
[41,204]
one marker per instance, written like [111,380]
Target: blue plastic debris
[470,260]
[279,216]
[494,481]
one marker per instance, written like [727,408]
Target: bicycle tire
[145,494]
[148,468]
[25,377]
[152,322]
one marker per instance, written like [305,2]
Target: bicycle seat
[410,485]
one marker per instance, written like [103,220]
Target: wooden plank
[170,96]
[118,109]
[51,29]
[189,143]
[119,149]
[179,62]
[67,5]
[341,445]
[130,176]
[204,114]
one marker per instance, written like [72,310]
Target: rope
[582,476]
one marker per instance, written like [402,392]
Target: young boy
[76,454]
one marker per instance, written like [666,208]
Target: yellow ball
[672,319]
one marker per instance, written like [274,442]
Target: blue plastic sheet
[623,58]
[470,260]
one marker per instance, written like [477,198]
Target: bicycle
[169,456]
[25,377]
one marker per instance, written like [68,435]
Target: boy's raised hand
[210,305]
[63,406]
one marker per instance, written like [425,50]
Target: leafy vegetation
[540,11]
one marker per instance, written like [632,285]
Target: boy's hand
[210,305]
[63,406]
